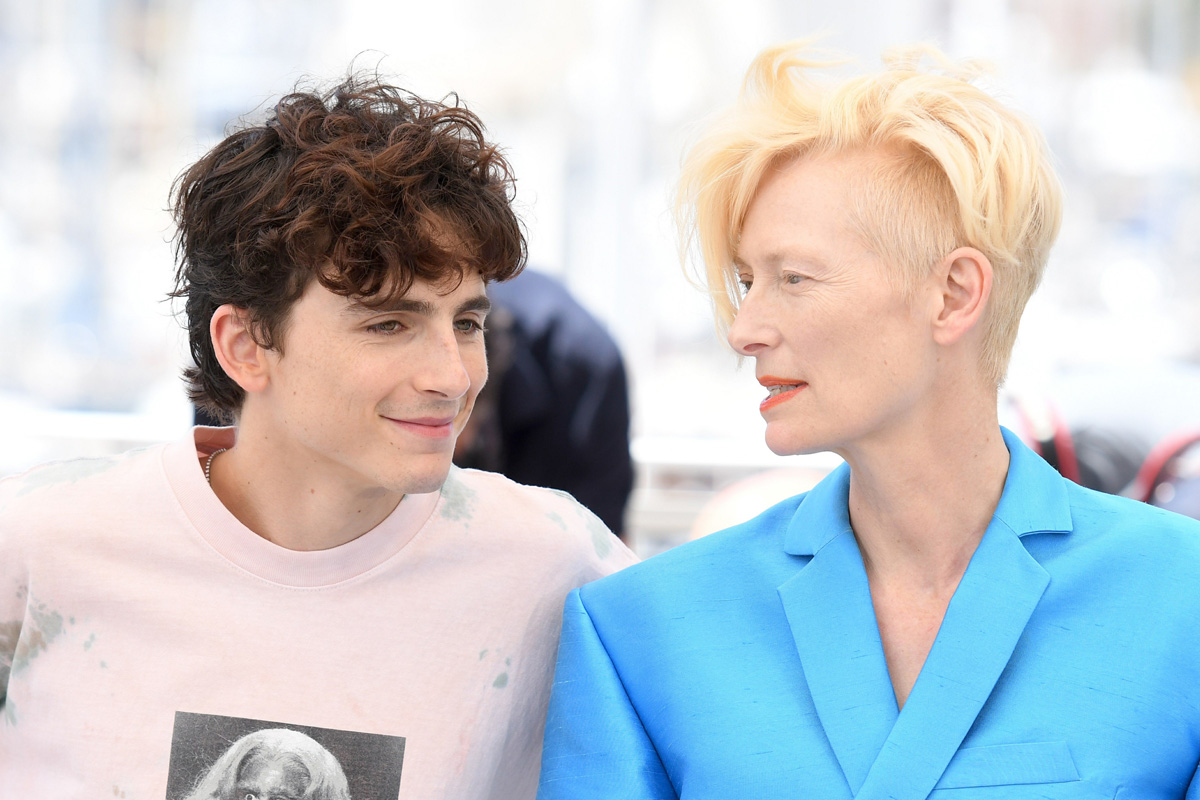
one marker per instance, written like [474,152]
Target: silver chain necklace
[208,464]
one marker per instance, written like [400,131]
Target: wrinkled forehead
[274,771]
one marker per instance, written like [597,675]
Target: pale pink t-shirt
[153,647]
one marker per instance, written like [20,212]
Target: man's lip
[432,422]
[431,427]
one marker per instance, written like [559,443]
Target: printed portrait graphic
[232,758]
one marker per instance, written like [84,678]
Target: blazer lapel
[984,621]
[828,608]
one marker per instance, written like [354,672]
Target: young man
[319,567]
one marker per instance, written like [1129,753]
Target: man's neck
[292,504]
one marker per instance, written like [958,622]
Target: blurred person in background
[319,562]
[944,610]
[1133,431]
[555,411]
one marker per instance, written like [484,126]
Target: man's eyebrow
[479,302]
[422,308]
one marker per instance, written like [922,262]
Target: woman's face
[846,360]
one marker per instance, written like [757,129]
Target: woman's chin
[789,443]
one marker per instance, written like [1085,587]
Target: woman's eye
[745,284]
[793,278]
[387,326]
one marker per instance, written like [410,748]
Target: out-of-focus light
[1130,121]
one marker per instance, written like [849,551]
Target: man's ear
[965,284]
[240,355]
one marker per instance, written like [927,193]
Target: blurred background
[106,101]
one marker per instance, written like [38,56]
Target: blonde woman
[944,611]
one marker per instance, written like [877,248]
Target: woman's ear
[965,284]
[239,353]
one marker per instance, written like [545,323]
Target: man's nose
[443,370]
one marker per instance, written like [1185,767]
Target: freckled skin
[264,778]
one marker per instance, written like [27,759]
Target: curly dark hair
[365,188]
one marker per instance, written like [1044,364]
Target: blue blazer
[748,664]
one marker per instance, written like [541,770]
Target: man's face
[374,398]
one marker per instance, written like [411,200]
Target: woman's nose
[751,330]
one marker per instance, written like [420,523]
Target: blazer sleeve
[596,747]
[1193,792]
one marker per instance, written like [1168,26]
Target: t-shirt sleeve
[13,588]
[605,553]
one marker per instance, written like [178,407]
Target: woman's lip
[782,397]
[771,380]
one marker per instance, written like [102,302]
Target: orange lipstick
[777,397]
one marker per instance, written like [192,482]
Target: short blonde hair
[958,168]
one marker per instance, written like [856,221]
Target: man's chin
[423,482]
[425,487]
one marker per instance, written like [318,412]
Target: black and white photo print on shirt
[232,758]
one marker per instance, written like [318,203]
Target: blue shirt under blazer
[748,664]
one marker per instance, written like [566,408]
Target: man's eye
[469,326]
[387,326]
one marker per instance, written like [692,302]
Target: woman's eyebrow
[783,257]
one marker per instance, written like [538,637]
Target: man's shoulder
[76,478]
[544,521]
[499,499]
[62,503]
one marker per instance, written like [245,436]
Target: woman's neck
[920,503]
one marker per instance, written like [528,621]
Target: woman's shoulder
[1118,547]
[1122,523]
